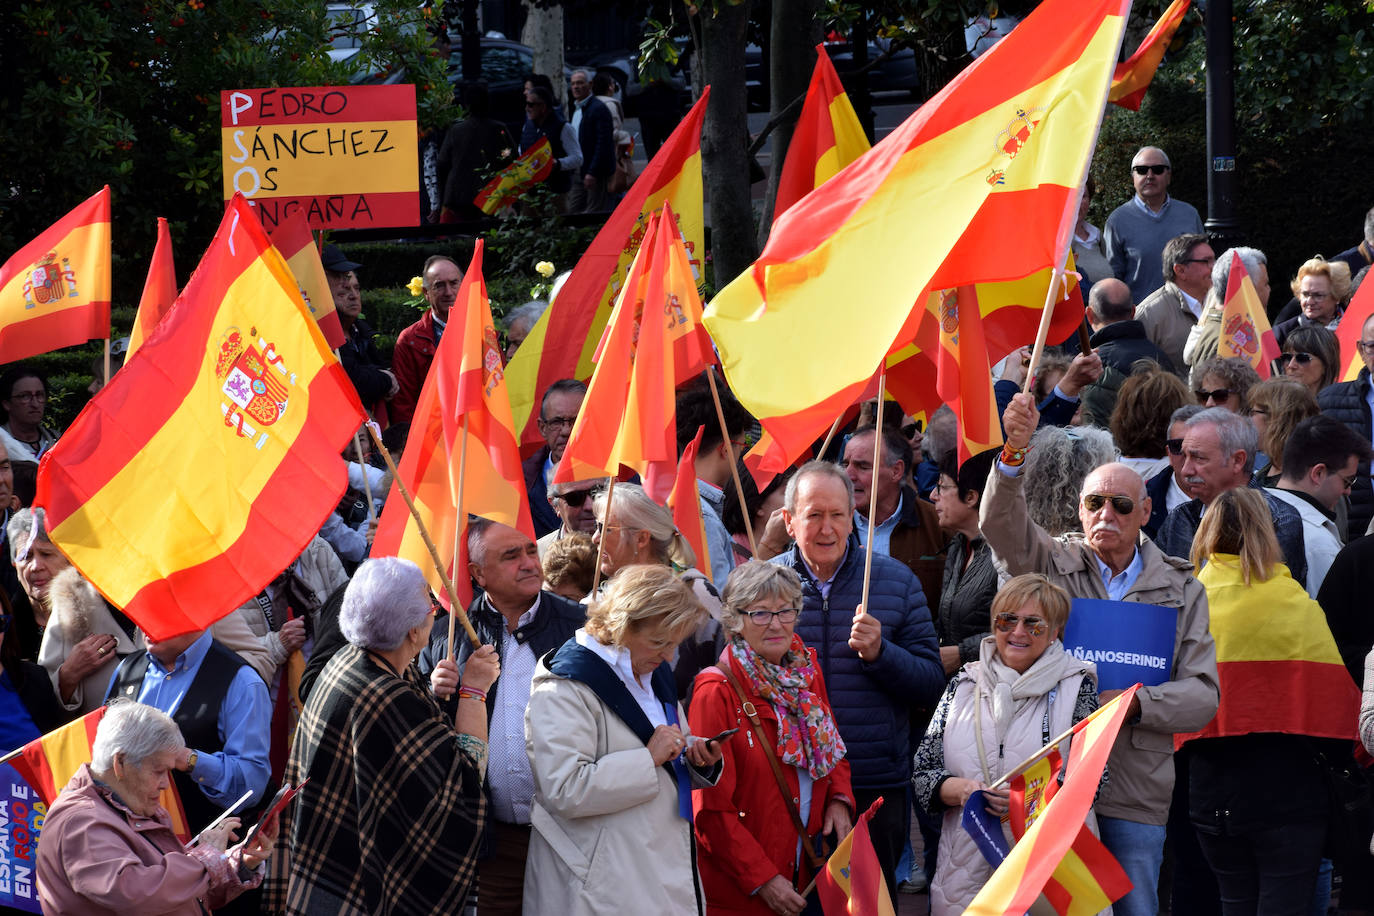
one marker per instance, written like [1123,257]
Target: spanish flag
[213,457]
[49,762]
[563,341]
[296,245]
[1039,852]
[964,379]
[159,290]
[999,155]
[828,137]
[55,291]
[685,503]
[1245,331]
[1350,332]
[533,166]
[654,342]
[852,883]
[462,420]
[1133,76]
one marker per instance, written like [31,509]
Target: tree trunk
[725,141]
[543,32]
[793,32]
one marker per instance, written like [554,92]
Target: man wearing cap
[372,380]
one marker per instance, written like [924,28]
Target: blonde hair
[1239,522]
[1052,600]
[1337,273]
[644,598]
[634,509]
[571,560]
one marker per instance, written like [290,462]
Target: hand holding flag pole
[455,606]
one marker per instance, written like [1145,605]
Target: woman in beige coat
[612,759]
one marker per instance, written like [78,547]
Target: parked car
[504,66]
[894,74]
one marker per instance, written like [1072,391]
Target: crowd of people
[628,724]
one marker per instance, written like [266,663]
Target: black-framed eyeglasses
[1158,169]
[1175,446]
[765,618]
[1211,260]
[1216,395]
[1302,359]
[1006,623]
[1094,502]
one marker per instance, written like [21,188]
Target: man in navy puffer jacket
[876,665]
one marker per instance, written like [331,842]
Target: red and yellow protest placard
[346,155]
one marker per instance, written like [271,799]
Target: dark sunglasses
[1302,359]
[576,498]
[1175,446]
[1149,169]
[1035,626]
[1094,502]
[1220,395]
[911,429]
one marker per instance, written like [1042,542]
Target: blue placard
[1127,640]
[21,819]
[986,829]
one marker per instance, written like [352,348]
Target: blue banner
[21,819]
[1127,640]
[986,829]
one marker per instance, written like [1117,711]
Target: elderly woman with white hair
[107,845]
[612,760]
[394,808]
[784,766]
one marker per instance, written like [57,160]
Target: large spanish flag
[1350,332]
[533,166]
[655,341]
[297,247]
[465,391]
[159,290]
[1245,331]
[1133,75]
[55,291]
[48,763]
[213,457]
[1037,855]
[828,137]
[979,186]
[562,342]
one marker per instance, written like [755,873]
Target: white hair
[135,730]
[385,599]
[816,468]
[24,526]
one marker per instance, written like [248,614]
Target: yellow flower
[544,269]
[416,286]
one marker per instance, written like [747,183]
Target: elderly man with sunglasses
[572,502]
[1137,231]
[1110,560]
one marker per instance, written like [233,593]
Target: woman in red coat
[752,856]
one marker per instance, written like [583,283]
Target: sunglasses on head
[1175,446]
[1302,359]
[1150,169]
[1219,395]
[1094,502]
[1006,623]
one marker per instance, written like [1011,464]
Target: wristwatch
[191,761]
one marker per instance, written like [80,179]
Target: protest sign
[1127,640]
[346,155]
[21,819]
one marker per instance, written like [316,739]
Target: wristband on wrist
[1014,457]
[472,693]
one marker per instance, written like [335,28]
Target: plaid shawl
[390,821]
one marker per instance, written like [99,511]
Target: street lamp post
[1222,223]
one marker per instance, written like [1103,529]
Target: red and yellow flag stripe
[159,290]
[294,241]
[828,137]
[533,166]
[1133,76]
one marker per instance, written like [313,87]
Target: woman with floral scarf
[768,685]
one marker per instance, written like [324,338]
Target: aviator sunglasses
[1094,502]
[1006,623]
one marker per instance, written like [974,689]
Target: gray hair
[1369,226]
[135,730]
[1163,155]
[555,490]
[636,510]
[752,582]
[941,432]
[526,314]
[812,469]
[1185,413]
[1059,461]
[386,597]
[1252,258]
[24,524]
[1235,433]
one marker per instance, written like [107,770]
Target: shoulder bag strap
[814,860]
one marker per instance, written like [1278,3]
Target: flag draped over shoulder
[851,883]
[998,155]
[532,167]
[1350,332]
[463,395]
[55,291]
[212,458]
[1133,76]
[1038,854]
[686,504]
[654,342]
[828,137]
[297,246]
[1245,331]
[159,290]
[562,342]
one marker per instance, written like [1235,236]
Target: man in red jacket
[416,345]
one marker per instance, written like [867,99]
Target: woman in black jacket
[970,580]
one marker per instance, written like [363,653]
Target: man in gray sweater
[1137,230]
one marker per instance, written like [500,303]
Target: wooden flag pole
[367,481]
[1046,315]
[455,607]
[834,428]
[872,490]
[601,543]
[734,466]
[458,530]
[107,361]
[1054,743]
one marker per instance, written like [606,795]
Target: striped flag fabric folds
[1245,331]
[213,457]
[1350,332]
[55,291]
[297,247]
[685,504]
[1133,75]
[159,290]
[851,883]
[532,167]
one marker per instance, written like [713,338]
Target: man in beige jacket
[1111,561]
